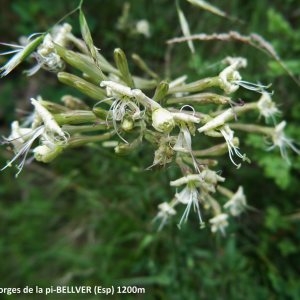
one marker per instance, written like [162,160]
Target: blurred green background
[85,219]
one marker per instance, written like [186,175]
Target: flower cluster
[126,111]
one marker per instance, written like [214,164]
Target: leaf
[211,8]
[276,168]
[185,28]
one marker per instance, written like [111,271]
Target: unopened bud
[162,120]
[161,91]
[73,102]
[121,62]
[46,154]
[127,124]
[82,85]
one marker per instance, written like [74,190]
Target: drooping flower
[20,54]
[143,27]
[44,129]
[267,108]
[237,203]
[228,135]
[22,140]
[184,140]
[230,79]
[210,180]
[165,212]
[42,49]
[187,128]
[189,195]
[219,223]
[281,141]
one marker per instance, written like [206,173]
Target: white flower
[267,107]
[143,27]
[218,121]
[21,53]
[42,49]
[61,34]
[189,195]
[281,141]
[47,57]
[210,180]
[48,120]
[123,110]
[230,79]
[219,223]
[116,89]
[22,144]
[165,212]
[228,135]
[44,127]
[237,203]
[184,140]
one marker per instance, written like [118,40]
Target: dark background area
[85,219]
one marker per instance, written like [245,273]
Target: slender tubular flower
[230,79]
[281,141]
[219,223]
[189,195]
[143,27]
[123,109]
[237,203]
[184,140]
[186,125]
[52,138]
[22,141]
[267,107]
[218,121]
[210,180]
[228,135]
[47,58]
[48,120]
[42,49]
[21,53]
[166,211]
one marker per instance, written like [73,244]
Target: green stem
[82,140]
[252,128]
[196,86]
[202,98]
[75,117]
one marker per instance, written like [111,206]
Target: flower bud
[80,62]
[81,85]
[121,62]
[46,154]
[127,124]
[162,120]
[72,102]
[161,91]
